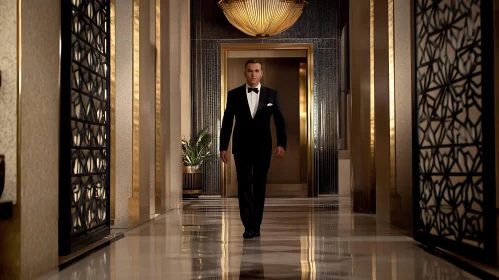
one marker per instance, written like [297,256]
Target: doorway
[287,69]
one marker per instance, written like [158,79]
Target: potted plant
[194,152]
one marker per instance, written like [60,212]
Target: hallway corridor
[301,239]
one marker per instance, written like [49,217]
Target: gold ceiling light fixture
[262,18]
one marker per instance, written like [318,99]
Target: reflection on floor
[301,239]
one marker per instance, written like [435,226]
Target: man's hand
[224,156]
[279,152]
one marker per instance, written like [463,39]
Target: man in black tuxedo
[252,104]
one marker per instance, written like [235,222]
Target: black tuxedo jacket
[252,135]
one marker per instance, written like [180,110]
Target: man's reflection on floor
[251,260]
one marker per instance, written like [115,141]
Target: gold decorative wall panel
[391,95]
[133,203]
[84,161]
[158,192]
[395,199]
[454,150]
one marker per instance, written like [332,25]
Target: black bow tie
[253,89]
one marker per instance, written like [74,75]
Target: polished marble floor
[301,239]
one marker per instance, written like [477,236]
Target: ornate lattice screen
[85,120]
[454,187]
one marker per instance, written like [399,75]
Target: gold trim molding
[133,202]
[391,96]
[112,167]
[372,169]
[496,110]
[303,121]
[496,102]
[19,95]
[225,48]
[159,207]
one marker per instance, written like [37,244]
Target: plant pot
[2,174]
[192,181]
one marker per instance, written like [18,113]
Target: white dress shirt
[253,99]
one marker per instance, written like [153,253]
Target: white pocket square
[270,104]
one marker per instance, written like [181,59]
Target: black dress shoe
[248,234]
[256,233]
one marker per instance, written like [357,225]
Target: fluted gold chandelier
[262,18]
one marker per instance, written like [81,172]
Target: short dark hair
[253,61]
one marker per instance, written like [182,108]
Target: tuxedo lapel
[261,100]
[244,100]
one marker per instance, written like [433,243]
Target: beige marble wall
[9,229]
[344,178]
[8,95]
[40,103]
[403,117]
[124,106]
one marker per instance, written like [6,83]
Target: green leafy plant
[195,151]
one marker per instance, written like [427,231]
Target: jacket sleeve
[279,122]
[227,121]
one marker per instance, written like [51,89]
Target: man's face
[253,74]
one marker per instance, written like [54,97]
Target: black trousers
[252,170]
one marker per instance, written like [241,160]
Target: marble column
[362,119]
[39,136]
[171,116]
[123,111]
[403,53]
[146,87]
[382,109]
